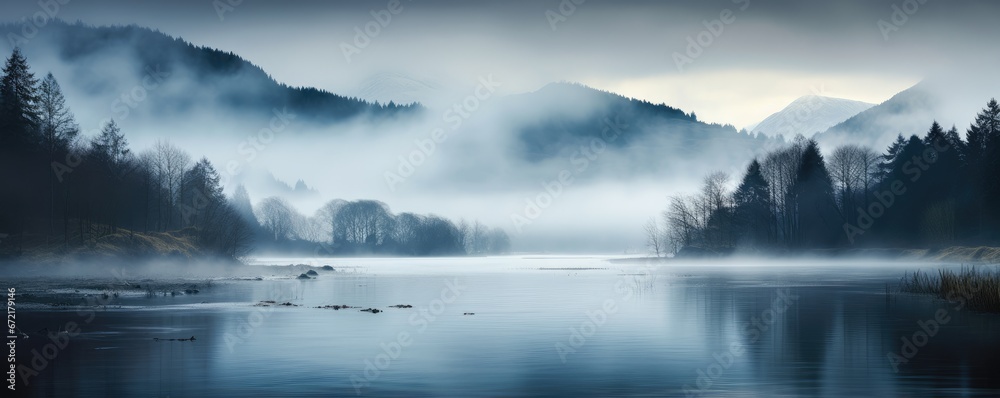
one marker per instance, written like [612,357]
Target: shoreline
[953,254]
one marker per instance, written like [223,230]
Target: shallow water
[542,326]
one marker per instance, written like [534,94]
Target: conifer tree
[19,115]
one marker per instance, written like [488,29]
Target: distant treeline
[367,227]
[61,191]
[922,192]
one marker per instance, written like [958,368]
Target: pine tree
[983,161]
[56,124]
[983,135]
[816,211]
[935,134]
[19,115]
[939,186]
[945,148]
[955,142]
[111,148]
[201,194]
[752,200]
[890,157]
[241,204]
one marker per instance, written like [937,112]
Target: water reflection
[677,336]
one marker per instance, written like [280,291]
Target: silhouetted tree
[19,113]
[57,126]
[983,157]
[753,209]
[817,221]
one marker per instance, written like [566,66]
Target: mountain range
[543,128]
[910,112]
[109,60]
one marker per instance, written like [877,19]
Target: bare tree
[477,242]
[236,240]
[715,210]
[682,223]
[654,238]
[58,130]
[869,170]
[277,217]
[780,169]
[853,169]
[407,231]
[364,222]
[171,163]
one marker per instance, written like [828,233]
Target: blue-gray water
[549,326]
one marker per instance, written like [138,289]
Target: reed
[978,289]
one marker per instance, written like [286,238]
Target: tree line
[369,227]
[63,191]
[927,191]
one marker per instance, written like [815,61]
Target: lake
[526,326]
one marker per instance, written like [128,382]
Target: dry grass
[966,254]
[979,289]
[123,244]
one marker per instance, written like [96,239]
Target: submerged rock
[372,310]
[401,306]
[187,339]
[335,307]
[272,303]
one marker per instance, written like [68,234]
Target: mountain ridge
[909,111]
[238,83]
[809,115]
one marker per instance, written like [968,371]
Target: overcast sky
[770,53]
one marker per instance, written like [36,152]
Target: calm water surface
[542,326]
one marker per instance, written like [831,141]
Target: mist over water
[451,198]
[559,324]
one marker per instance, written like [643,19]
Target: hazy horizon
[756,59]
[739,78]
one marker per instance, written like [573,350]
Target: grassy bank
[123,245]
[979,290]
